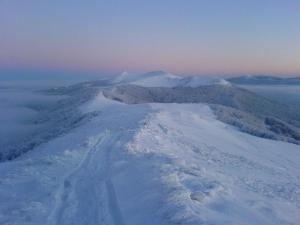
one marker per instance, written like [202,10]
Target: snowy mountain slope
[152,164]
[67,180]
[151,79]
[279,121]
[198,81]
[158,79]
[213,174]
[164,79]
[56,118]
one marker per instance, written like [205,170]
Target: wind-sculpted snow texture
[213,174]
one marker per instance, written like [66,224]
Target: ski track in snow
[91,178]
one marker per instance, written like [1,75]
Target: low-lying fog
[20,104]
[288,94]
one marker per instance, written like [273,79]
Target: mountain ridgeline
[248,111]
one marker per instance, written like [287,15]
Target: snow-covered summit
[159,79]
[223,82]
[125,77]
[165,79]
[151,79]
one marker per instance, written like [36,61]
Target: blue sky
[187,37]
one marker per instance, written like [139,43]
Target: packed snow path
[89,187]
[153,164]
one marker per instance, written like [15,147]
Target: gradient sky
[179,36]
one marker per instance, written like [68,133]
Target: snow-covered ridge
[212,173]
[249,112]
[152,164]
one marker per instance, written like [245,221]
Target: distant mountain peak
[223,82]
